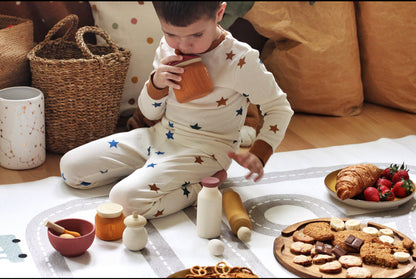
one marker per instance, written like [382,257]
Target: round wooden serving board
[281,251]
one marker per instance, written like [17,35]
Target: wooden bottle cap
[210,181]
[109,210]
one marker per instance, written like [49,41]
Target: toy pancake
[196,82]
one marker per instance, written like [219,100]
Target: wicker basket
[15,43]
[82,84]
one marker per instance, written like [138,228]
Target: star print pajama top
[158,169]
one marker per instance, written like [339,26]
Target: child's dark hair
[184,13]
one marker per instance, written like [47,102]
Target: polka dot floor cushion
[132,25]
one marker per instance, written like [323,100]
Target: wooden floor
[304,132]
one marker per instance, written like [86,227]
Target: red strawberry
[387,195]
[371,194]
[382,188]
[402,188]
[383,181]
[389,171]
[399,175]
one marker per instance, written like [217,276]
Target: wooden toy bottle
[236,214]
[109,223]
[135,235]
[209,209]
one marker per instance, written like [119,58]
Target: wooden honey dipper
[60,229]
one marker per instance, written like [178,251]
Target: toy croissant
[352,180]
[196,82]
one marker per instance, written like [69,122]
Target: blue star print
[63,176]
[104,171]
[152,165]
[185,191]
[148,151]
[240,111]
[160,153]
[195,126]
[245,95]
[113,143]
[157,104]
[170,124]
[83,183]
[169,135]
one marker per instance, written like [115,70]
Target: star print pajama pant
[155,176]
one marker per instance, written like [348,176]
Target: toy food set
[368,186]
[344,248]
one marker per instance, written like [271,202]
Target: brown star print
[154,187]
[158,213]
[198,160]
[213,157]
[241,62]
[230,55]
[222,102]
[274,128]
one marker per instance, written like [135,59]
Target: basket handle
[73,18]
[79,38]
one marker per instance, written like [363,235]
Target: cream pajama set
[158,169]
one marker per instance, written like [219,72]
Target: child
[159,168]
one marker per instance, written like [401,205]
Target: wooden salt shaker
[135,234]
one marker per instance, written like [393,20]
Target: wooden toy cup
[196,82]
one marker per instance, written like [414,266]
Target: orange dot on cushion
[134,79]
[133,20]
[149,40]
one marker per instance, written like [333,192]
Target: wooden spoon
[60,229]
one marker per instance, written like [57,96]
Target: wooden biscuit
[319,231]
[331,267]
[300,236]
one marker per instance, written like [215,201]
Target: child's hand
[166,75]
[250,162]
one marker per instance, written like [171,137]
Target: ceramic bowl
[72,247]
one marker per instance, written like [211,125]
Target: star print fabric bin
[82,84]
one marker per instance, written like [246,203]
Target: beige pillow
[387,36]
[313,53]
[132,25]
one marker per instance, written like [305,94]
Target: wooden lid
[187,59]
[109,210]
[135,220]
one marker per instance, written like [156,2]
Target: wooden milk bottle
[209,209]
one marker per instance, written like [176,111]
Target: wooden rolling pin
[236,214]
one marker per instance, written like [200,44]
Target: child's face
[195,38]
[192,39]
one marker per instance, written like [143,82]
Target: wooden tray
[281,251]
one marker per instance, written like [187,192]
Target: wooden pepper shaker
[135,235]
[236,214]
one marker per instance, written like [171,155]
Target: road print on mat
[265,212]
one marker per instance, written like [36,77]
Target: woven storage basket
[82,84]
[15,43]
